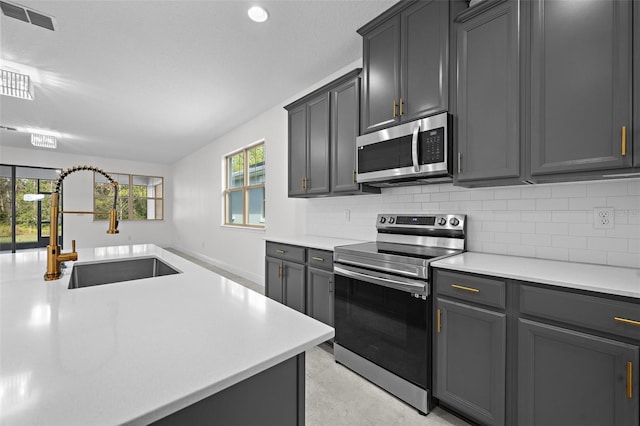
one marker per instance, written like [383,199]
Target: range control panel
[419,221]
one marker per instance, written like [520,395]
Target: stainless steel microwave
[412,153]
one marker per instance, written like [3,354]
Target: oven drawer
[286,252]
[597,313]
[483,290]
[322,259]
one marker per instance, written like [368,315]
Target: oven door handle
[408,285]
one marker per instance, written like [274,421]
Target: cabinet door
[297,149]
[318,145]
[294,285]
[424,77]
[580,85]
[635,133]
[345,127]
[571,378]
[488,95]
[273,279]
[470,360]
[320,295]
[381,76]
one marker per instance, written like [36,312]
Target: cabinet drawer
[598,313]
[286,252]
[322,259]
[487,291]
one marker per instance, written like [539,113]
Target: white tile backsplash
[550,221]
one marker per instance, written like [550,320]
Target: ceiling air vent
[27,15]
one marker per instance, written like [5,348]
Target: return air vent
[27,15]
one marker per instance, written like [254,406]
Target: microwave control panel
[432,146]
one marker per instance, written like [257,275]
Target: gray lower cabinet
[581,86]
[528,354]
[285,275]
[489,143]
[301,278]
[320,286]
[470,347]
[566,377]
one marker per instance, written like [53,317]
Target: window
[139,197]
[244,189]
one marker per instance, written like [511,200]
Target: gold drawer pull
[318,259]
[627,321]
[281,251]
[471,289]
[438,320]
[629,379]
[624,141]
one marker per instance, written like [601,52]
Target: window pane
[236,207]
[140,209]
[46,186]
[256,206]
[256,165]
[236,171]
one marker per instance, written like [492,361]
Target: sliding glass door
[25,202]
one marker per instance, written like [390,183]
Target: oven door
[384,319]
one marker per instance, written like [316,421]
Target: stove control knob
[442,221]
[383,219]
[392,220]
[454,221]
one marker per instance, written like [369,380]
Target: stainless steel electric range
[382,305]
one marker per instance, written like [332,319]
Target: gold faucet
[54,255]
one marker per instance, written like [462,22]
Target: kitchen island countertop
[132,352]
[583,276]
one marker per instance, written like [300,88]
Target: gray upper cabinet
[345,123]
[488,97]
[309,147]
[323,127]
[581,88]
[405,64]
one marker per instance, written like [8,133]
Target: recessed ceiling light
[258,14]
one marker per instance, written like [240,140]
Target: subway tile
[460,196]
[481,194]
[626,203]
[494,226]
[588,203]
[430,207]
[518,250]
[607,244]
[588,256]
[569,241]
[521,204]
[536,216]
[552,204]
[470,206]
[495,248]
[507,238]
[552,228]
[494,205]
[521,227]
[421,198]
[507,216]
[607,189]
[540,240]
[440,196]
[507,194]
[572,190]
[633,187]
[624,231]
[536,191]
[570,216]
[586,229]
[553,253]
[450,206]
[627,260]
[427,189]
[634,246]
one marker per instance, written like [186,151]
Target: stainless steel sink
[114,271]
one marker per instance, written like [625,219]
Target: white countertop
[136,351]
[313,241]
[598,278]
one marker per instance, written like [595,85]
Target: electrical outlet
[603,218]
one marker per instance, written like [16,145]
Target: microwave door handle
[414,148]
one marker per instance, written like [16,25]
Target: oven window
[386,326]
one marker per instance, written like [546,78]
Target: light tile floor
[336,396]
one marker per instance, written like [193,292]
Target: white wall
[78,195]
[550,221]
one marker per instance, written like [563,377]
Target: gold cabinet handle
[401,104]
[438,324]
[279,271]
[459,162]
[627,321]
[354,176]
[460,287]
[319,259]
[394,108]
[624,141]
[281,251]
[629,379]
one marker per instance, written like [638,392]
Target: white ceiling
[156,80]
